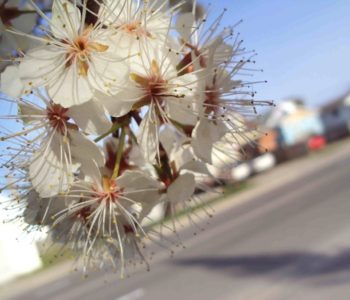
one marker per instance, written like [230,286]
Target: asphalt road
[290,242]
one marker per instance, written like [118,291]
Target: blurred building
[290,128]
[336,118]
[299,127]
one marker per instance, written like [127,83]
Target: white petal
[10,42]
[90,117]
[70,88]
[137,180]
[11,83]
[120,9]
[89,169]
[136,157]
[26,110]
[39,211]
[65,22]
[48,172]
[141,188]
[196,167]
[171,139]
[184,108]
[182,156]
[214,58]
[222,53]
[25,22]
[120,104]
[226,83]
[147,137]
[32,207]
[185,26]
[82,148]
[107,72]
[182,188]
[185,160]
[205,134]
[40,63]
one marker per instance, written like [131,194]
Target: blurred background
[281,227]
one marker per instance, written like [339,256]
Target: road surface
[291,241]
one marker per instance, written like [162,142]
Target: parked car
[241,171]
[316,142]
[263,162]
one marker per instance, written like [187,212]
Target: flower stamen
[135,28]
[58,117]
[110,190]
[80,50]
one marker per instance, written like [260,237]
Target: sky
[303,46]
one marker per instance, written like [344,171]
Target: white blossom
[74,60]
[110,211]
[119,107]
[50,146]
[138,25]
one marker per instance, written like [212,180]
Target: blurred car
[241,171]
[263,162]
[317,142]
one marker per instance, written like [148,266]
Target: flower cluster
[120,106]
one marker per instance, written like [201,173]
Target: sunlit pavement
[287,238]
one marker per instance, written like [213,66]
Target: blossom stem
[132,135]
[113,129]
[119,153]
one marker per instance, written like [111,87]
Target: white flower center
[80,50]
[58,117]
[135,29]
